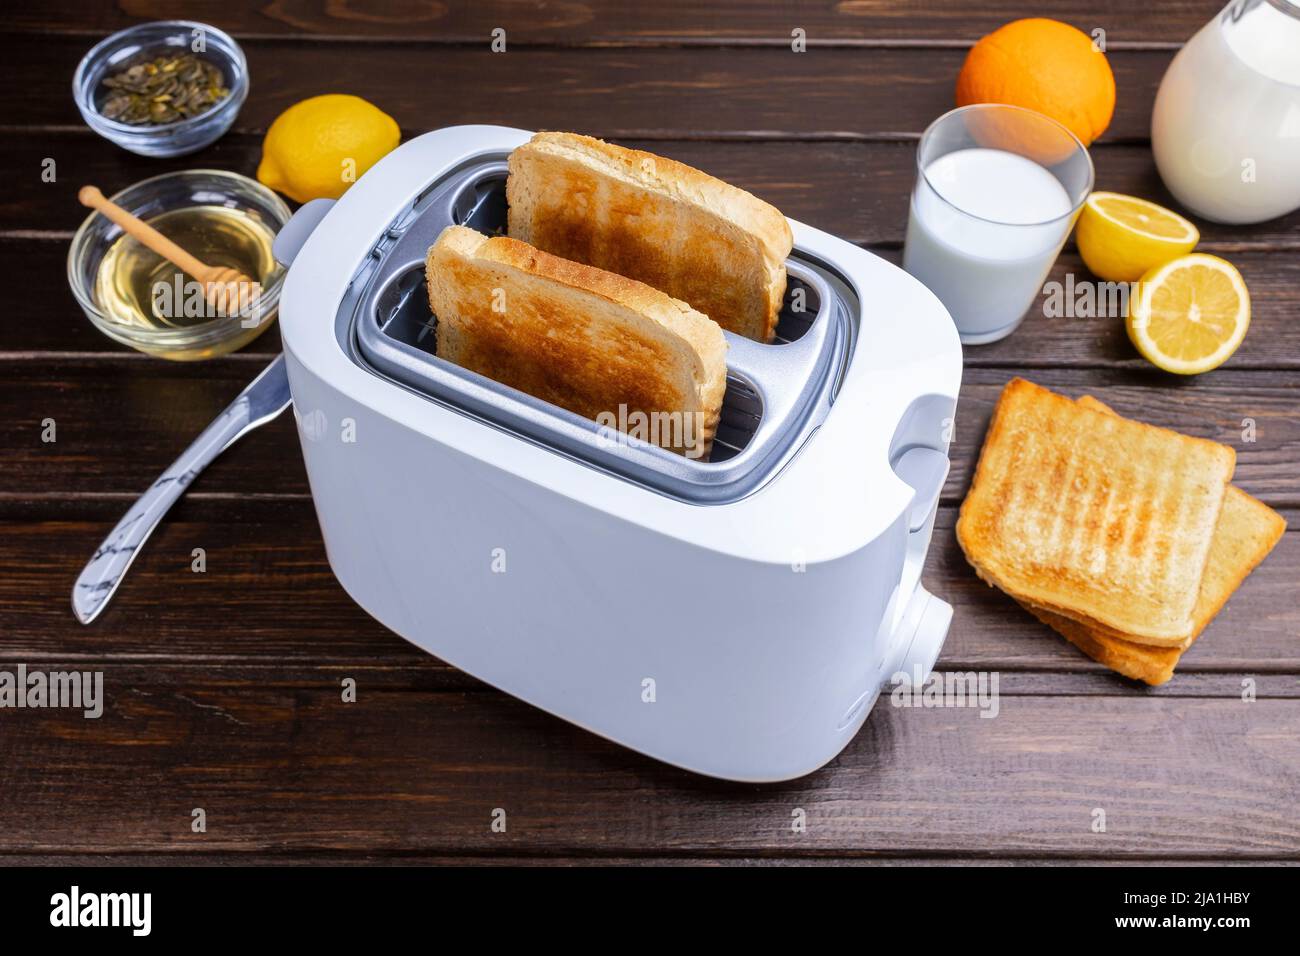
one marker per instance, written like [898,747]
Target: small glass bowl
[152,197]
[145,41]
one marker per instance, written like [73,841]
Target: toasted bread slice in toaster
[655,220]
[1246,532]
[1093,516]
[598,344]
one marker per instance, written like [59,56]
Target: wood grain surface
[104,406]
[223,687]
[858,190]
[669,22]
[266,570]
[277,760]
[666,92]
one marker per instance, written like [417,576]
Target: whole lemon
[1046,66]
[319,147]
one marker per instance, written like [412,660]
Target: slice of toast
[1246,532]
[1093,516]
[599,344]
[655,220]
[1151,665]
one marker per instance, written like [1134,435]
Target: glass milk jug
[1226,124]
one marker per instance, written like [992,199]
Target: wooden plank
[1048,338]
[118,857]
[858,191]
[1098,682]
[751,93]
[267,591]
[119,422]
[267,594]
[1218,407]
[1256,632]
[278,762]
[81,157]
[670,21]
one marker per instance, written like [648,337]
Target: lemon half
[1188,316]
[1122,237]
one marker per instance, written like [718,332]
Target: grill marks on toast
[1093,516]
[1065,502]
[1247,530]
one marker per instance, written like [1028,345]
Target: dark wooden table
[224,687]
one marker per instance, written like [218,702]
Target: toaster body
[736,617]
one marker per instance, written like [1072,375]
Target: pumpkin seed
[163,90]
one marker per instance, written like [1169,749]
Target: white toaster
[737,616]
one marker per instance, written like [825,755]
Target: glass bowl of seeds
[165,88]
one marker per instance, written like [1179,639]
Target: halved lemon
[1188,316]
[1123,237]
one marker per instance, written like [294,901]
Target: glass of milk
[1226,126]
[997,191]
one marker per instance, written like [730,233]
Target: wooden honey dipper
[228,290]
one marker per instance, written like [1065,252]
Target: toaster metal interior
[776,394]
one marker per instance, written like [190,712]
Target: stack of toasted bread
[610,294]
[1125,538]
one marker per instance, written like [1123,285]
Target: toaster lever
[925,469]
[289,240]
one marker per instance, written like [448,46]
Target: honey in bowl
[137,288]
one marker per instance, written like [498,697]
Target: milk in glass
[984,229]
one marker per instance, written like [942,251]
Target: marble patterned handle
[265,398]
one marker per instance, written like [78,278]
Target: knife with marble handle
[264,398]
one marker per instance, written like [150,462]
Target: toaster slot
[742,412]
[801,307]
[481,203]
[776,394]
[402,313]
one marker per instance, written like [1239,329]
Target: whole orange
[1046,66]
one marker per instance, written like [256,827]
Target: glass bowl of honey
[136,297]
